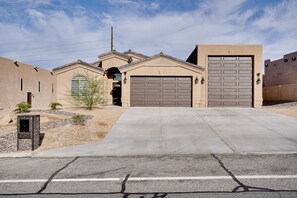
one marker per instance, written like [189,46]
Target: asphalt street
[203,175]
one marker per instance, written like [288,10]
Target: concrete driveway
[146,131]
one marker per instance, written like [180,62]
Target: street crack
[241,185]
[53,175]
[124,183]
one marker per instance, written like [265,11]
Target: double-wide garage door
[161,91]
[230,81]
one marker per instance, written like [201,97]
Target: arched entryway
[114,74]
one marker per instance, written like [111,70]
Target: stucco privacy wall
[286,92]
[160,66]
[204,51]
[10,85]
[65,75]
[280,81]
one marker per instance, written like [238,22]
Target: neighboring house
[213,75]
[20,82]
[280,81]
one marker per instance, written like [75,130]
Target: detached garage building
[212,76]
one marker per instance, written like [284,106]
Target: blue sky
[50,33]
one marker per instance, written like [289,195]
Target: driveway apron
[174,130]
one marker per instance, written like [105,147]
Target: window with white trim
[79,85]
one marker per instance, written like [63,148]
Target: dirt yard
[93,129]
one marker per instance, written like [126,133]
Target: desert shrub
[22,107]
[91,95]
[54,105]
[79,119]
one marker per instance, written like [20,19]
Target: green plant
[79,119]
[91,95]
[54,105]
[22,107]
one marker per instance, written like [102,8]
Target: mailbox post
[28,134]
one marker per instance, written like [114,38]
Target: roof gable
[113,53]
[78,62]
[160,60]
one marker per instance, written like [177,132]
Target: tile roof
[115,53]
[78,62]
[135,53]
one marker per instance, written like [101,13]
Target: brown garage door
[161,91]
[230,81]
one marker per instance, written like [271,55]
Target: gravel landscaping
[285,108]
[60,130]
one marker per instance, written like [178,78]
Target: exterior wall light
[36,69]
[266,65]
[258,81]
[196,80]
[52,73]
[16,63]
[130,60]
[202,80]
[125,79]
[294,58]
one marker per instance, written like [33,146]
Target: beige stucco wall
[64,77]
[10,85]
[113,61]
[232,50]
[286,92]
[161,66]
[282,71]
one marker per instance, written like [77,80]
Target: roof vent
[129,50]
[161,53]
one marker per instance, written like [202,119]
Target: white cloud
[175,33]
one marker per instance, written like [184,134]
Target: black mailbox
[28,134]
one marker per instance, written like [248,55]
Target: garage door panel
[168,91]
[215,65]
[230,103]
[245,58]
[229,58]
[161,91]
[244,65]
[168,97]
[151,91]
[168,85]
[230,65]
[230,72]
[231,84]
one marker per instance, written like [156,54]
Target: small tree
[91,95]
[22,107]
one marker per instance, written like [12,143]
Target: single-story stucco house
[212,76]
